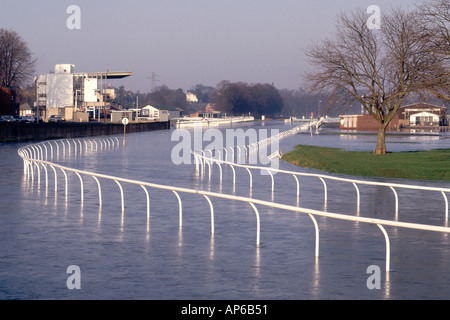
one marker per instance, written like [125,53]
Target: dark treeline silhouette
[233,98]
[242,98]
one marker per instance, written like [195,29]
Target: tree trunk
[381,140]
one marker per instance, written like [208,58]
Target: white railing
[256,146]
[193,122]
[33,156]
[203,162]
[55,148]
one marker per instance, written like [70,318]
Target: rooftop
[107,75]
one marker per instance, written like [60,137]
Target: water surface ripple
[124,256]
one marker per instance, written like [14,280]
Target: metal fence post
[388,247]
[325,189]
[396,199]
[446,205]
[121,195]
[180,209]
[148,202]
[258,225]
[212,213]
[99,191]
[81,186]
[357,195]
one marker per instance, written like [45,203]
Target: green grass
[417,165]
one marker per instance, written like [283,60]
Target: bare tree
[436,14]
[377,68]
[435,19]
[16,62]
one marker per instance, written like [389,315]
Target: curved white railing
[42,150]
[33,156]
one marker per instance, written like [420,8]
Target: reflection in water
[211,250]
[445,235]
[223,269]
[99,220]
[387,286]
[258,261]
[81,214]
[180,242]
[55,199]
[66,208]
[122,226]
[315,289]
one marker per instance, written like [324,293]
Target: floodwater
[124,255]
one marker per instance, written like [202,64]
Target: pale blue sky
[185,42]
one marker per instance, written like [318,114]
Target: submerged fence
[241,154]
[203,162]
[36,158]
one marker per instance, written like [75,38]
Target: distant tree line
[301,103]
[234,98]
[242,98]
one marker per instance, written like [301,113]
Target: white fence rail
[35,158]
[203,162]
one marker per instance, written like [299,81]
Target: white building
[191,97]
[423,115]
[424,119]
[152,113]
[64,89]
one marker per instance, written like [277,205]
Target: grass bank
[417,165]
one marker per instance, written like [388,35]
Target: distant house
[150,112]
[25,110]
[210,112]
[417,115]
[153,113]
[422,115]
[191,97]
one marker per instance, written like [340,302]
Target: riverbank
[415,165]
[18,132]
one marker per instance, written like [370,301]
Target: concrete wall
[45,131]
